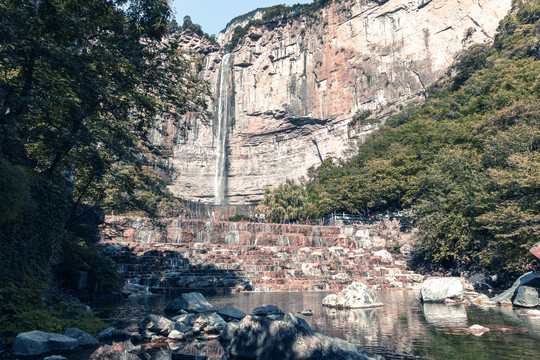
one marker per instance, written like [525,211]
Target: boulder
[228,332]
[231,314]
[156,324]
[38,342]
[84,338]
[112,334]
[527,297]
[477,330]
[440,289]
[267,310]
[192,302]
[291,338]
[384,255]
[354,296]
[176,335]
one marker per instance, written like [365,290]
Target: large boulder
[524,292]
[84,338]
[193,302]
[231,314]
[440,289]
[38,342]
[156,324]
[527,296]
[290,338]
[354,296]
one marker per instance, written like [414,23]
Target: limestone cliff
[283,99]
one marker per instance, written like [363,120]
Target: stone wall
[171,255]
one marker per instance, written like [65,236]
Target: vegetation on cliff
[271,15]
[467,160]
[81,85]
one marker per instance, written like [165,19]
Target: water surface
[402,329]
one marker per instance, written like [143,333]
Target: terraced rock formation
[177,255]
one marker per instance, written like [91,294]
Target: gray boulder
[440,289]
[291,338]
[193,302]
[38,342]
[228,332]
[231,314]
[267,310]
[527,297]
[84,338]
[156,324]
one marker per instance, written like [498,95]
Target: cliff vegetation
[81,84]
[467,160]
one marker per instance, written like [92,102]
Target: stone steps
[219,256]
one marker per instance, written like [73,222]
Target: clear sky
[213,15]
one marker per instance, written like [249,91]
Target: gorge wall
[283,99]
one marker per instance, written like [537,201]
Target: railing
[350,219]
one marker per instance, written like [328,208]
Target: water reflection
[441,315]
[402,329]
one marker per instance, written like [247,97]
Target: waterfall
[221,149]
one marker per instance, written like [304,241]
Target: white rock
[355,296]
[439,289]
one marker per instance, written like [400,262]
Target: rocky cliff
[283,99]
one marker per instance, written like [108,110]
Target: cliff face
[283,99]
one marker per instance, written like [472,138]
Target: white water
[221,148]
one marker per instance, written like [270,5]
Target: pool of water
[402,329]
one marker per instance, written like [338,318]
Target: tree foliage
[82,83]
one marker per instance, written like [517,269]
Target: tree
[81,85]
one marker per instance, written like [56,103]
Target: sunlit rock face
[291,88]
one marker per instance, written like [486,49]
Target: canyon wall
[283,99]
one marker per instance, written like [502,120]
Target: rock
[533,313]
[440,289]
[477,330]
[55,357]
[231,314]
[228,332]
[407,249]
[526,279]
[267,310]
[527,296]
[176,335]
[257,337]
[105,334]
[193,302]
[113,334]
[307,313]
[157,324]
[384,255]
[38,342]
[354,296]
[84,338]
[118,351]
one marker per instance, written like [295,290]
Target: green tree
[81,85]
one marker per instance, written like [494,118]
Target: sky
[213,15]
